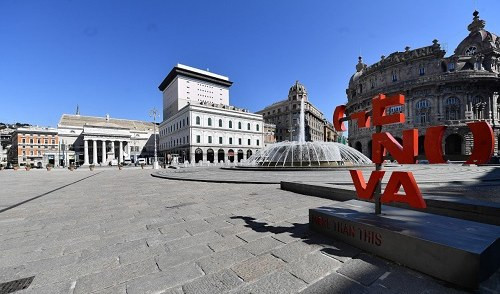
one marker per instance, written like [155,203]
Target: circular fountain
[306,154]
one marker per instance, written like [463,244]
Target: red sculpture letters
[484,144]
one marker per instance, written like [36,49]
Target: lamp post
[154,113]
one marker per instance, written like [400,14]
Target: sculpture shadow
[301,232]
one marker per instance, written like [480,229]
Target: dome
[354,79]
[360,67]
[284,154]
[297,88]
[479,40]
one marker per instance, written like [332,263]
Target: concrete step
[458,251]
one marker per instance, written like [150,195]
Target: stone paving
[111,231]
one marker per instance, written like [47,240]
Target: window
[258,142]
[394,109]
[471,51]
[24,141]
[239,125]
[230,141]
[423,111]
[210,139]
[452,108]
[220,123]
[230,124]
[394,76]
[451,66]
[197,120]
[257,127]
[249,142]
[187,121]
[198,139]
[421,71]
[210,121]
[31,142]
[248,126]
[239,141]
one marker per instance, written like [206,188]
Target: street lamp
[154,113]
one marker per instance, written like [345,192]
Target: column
[113,149]
[128,149]
[85,152]
[94,152]
[120,153]
[103,152]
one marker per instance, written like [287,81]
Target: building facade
[330,135]
[198,122]
[5,143]
[285,115]
[34,146]
[269,134]
[101,140]
[438,90]
[209,133]
[188,85]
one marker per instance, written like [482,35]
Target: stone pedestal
[457,251]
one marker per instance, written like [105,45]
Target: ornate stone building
[439,90]
[285,115]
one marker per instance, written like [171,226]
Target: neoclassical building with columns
[451,91]
[86,140]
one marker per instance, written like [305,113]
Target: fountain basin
[307,154]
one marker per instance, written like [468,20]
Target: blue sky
[110,56]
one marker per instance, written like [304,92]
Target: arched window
[248,126]
[220,123]
[230,124]
[257,127]
[452,108]
[423,111]
[209,121]
[197,120]
[239,125]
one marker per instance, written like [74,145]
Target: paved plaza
[111,231]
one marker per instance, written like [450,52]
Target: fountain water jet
[301,152]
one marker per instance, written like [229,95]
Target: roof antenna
[77,109]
